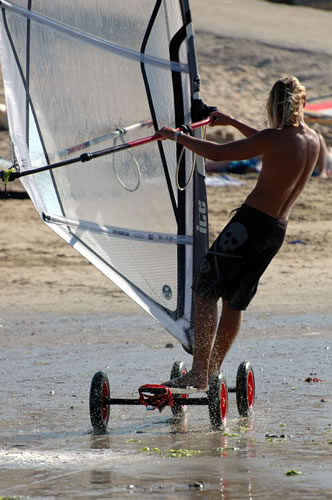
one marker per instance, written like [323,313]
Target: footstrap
[155,396]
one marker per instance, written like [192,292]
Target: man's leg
[228,328]
[206,315]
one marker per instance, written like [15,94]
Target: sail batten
[74,72]
[119,232]
[119,132]
[86,37]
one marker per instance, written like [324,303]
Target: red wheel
[245,389]
[99,407]
[218,401]
[179,409]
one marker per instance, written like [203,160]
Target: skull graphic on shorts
[205,266]
[233,237]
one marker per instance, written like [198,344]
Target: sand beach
[239,56]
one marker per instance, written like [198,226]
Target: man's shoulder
[269,137]
[267,133]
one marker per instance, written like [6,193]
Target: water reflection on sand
[49,450]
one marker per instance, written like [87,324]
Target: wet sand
[47,447]
[61,321]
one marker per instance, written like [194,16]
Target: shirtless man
[243,250]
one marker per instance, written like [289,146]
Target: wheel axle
[155,396]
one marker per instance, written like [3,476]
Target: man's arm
[223,120]
[243,149]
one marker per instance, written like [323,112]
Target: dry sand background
[243,46]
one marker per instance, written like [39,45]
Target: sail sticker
[167,292]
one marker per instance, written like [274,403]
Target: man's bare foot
[188,380]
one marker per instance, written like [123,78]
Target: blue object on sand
[244,166]
[222,180]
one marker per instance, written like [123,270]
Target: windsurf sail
[78,73]
[319,110]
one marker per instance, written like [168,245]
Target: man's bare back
[289,159]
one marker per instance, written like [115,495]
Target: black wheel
[99,409]
[218,401]
[179,409]
[245,389]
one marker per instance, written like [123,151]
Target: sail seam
[153,111]
[174,51]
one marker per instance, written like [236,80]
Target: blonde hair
[285,102]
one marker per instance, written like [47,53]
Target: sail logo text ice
[202,217]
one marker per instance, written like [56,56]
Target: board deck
[187,390]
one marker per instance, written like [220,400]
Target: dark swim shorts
[237,259]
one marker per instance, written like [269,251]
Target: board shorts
[239,256]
